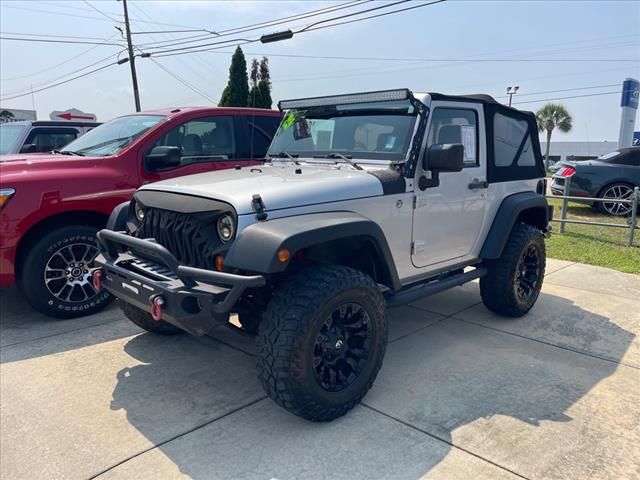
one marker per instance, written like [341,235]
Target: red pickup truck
[52,205]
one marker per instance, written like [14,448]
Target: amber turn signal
[284,255]
[219,262]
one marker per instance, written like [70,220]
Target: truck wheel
[145,321]
[321,341]
[513,282]
[55,278]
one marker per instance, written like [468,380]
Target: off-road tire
[145,321]
[38,290]
[288,334]
[498,287]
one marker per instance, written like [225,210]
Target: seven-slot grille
[191,237]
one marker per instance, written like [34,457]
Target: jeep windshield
[113,136]
[374,131]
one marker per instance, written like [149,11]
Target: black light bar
[365,97]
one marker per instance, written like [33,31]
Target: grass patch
[602,246]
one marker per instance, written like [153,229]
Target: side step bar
[396,299]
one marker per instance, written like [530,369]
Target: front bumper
[137,271]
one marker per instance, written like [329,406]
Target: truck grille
[191,237]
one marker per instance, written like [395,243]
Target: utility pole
[132,59]
[511,91]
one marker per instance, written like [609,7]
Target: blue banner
[630,92]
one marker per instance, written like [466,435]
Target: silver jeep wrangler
[366,201]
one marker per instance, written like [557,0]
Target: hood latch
[258,206]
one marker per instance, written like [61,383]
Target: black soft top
[476,97]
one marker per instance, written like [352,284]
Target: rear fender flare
[530,207]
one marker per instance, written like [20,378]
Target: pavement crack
[175,437]
[569,349]
[436,437]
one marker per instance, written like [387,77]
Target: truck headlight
[226,228]
[139,211]
[5,196]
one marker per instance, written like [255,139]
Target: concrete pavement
[462,394]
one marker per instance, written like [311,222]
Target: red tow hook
[156,307]
[96,278]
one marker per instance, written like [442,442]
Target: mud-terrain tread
[496,288]
[283,328]
[146,322]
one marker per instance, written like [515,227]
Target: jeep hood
[279,186]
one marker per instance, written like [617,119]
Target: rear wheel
[322,341]
[55,278]
[513,282]
[617,191]
[145,321]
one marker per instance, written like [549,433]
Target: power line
[53,13]
[573,96]
[563,90]
[197,59]
[184,82]
[242,41]
[101,12]
[64,14]
[63,76]
[268,23]
[4,99]
[71,42]
[309,28]
[50,35]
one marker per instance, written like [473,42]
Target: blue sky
[573,33]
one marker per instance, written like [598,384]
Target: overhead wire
[30,92]
[183,81]
[59,64]
[242,41]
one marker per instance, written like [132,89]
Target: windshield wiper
[68,152]
[346,158]
[290,156]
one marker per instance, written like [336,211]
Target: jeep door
[448,218]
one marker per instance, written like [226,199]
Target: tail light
[567,172]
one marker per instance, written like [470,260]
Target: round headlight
[139,210]
[226,228]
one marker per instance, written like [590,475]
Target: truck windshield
[10,134]
[376,131]
[111,137]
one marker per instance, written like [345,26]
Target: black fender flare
[118,219]
[256,247]
[529,206]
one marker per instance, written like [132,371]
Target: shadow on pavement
[25,333]
[451,376]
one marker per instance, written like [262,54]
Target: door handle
[475,184]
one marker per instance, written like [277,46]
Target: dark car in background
[40,136]
[612,176]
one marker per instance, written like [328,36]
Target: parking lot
[462,394]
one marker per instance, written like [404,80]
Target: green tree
[255,97]
[264,85]
[6,116]
[236,93]
[550,117]
[260,93]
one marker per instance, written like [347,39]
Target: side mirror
[447,157]
[442,157]
[163,157]
[29,148]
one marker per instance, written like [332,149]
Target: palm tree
[549,117]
